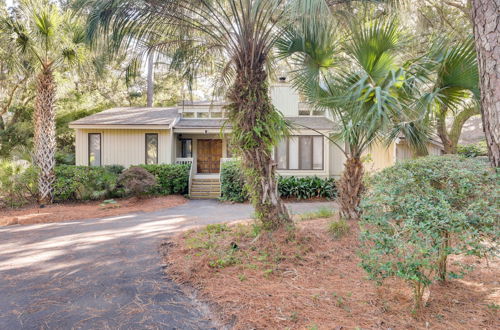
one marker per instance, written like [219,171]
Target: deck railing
[188,161]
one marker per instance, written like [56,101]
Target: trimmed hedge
[233,185]
[170,178]
[83,183]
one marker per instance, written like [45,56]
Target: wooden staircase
[205,188]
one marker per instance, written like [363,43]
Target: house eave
[156,127]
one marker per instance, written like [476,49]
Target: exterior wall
[380,156]
[337,160]
[285,99]
[124,147]
[327,160]
[403,151]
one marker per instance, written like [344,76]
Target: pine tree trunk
[45,134]
[150,81]
[486,23]
[350,188]
[252,114]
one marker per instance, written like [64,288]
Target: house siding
[124,147]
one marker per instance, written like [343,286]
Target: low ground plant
[137,181]
[18,183]
[233,185]
[322,212]
[419,212]
[338,228]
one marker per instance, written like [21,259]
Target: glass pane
[293,148]
[188,114]
[216,114]
[151,148]
[281,155]
[305,152]
[94,149]
[317,153]
[187,149]
[203,115]
[304,112]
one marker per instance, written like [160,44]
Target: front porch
[205,153]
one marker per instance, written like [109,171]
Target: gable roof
[131,116]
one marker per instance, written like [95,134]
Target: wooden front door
[209,155]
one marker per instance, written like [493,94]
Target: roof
[200,123]
[170,116]
[319,123]
[131,116]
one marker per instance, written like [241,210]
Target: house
[196,133]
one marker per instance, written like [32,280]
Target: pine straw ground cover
[307,279]
[58,212]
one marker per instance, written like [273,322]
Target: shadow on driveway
[103,273]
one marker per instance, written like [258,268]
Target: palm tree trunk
[45,134]
[486,24]
[350,188]
[253,117]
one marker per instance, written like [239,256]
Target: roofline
[120,126]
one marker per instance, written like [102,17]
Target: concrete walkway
[104,273]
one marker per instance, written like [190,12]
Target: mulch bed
[86,210]
[308,280]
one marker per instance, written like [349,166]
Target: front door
[209,155]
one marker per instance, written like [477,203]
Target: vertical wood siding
[285,99]
[124,147]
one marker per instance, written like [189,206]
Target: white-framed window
[95,152]
[151,148]
[300,152]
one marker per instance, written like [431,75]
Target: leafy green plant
[170,178]
[232,182]
[419,212]
[473,150]
[18,183]
[338,228]
[137,180]
[83,183]
[233,185]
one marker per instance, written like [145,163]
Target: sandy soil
[311,281]
[86,210]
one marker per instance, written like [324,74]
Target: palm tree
[236,37]
[455,90]
[47,39]
[358,76]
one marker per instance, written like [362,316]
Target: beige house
[196,133]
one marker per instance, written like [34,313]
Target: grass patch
[338,229]
[322,212]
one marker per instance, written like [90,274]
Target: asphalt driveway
[104,273]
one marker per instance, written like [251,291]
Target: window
[188,115]
[186,148]
[94,149]
[300,153]
[151,148]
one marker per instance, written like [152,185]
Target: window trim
[146,148]
[88,148]
[300,153]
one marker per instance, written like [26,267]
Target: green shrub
[338,228]
[307,187]
[115,169]
[170,178]
[18,183]
[137,180]
[83,183]
[419,212]
[473,150]
[232,182]
[233,185]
